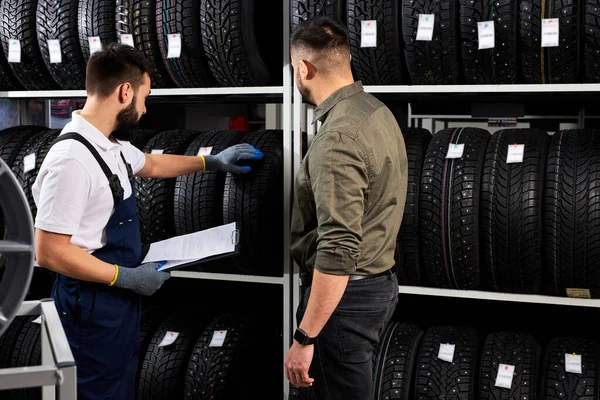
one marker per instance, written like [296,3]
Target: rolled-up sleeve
[339,179]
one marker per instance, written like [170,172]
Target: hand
[227,159]
[144,280]
[297,364]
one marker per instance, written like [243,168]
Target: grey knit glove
[227,159]
[144,280]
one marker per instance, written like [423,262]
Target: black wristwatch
[301,337]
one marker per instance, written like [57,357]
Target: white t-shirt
[72,193]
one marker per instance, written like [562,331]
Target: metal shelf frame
[57,373]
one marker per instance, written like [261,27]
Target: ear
[306,69]
[125,92]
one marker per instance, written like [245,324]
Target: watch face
[300,336]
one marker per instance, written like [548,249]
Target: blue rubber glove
[227,159]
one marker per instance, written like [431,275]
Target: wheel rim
[16,247]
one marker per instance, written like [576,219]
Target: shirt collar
[337,96]
[91,132]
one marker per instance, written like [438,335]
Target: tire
[198,203]
[155,195]
[241,50]
[182,16]
[163,372]
[255,201]
[38,144]
[146,40]
[18,21]
[395,361]
[572,213]
[592,41]
[8,341]
[305,9]
[123,18]
[57,19]
[559,384]
[12,139]
[439,379]
[8,81]
[142,137]
[221,373]
[449,209]
[489,66]
[517,349]
[511,212]
[549,64]
[151,320]
[96,18]
[408,259]
[436,62]
[27,353]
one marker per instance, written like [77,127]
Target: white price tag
[157,151]
[505,376]
[174,44]
[38,320]
[169,339]
[368,33]
[95,44]
[29,162]
[515,153]
[14,51]
[550,32]
[573,363]
[218,339]
[127,39]
[446,352]
[205,151]
[54,50]
[455,150]
[486,35]
[425,27]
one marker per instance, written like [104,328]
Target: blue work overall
[102,323]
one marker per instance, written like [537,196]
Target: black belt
[306,277]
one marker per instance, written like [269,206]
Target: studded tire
[96,18]
[394,364]
[155,195]
[436,62]
[305,9]
[511,212]
[408,259]
[449,208]
[255,201]
[198,202]
[489,66]
[572,213]
[509,348]
[591,39]
[384,64]
[439,379]
[559,384]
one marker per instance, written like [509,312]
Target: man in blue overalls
[87,229]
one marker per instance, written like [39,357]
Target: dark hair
[320,33]
[114,65]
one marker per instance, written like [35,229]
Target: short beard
[127,123]
[304,91]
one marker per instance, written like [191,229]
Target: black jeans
[342,365]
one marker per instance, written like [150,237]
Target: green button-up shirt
[351,188]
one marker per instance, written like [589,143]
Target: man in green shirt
[348,205]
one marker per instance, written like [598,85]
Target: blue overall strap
[113,179]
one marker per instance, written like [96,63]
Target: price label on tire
[169,339]
[505,376]
[486,35]
[368,33]
[218,338]
[174,45]
[515,153]
[29,162]
[425,27]
[205,151]
[157,151]
[127,39]
[14,51]
[573,363]
[550,32]
[95,44]
[446,352]
[54,51]
[455,150]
